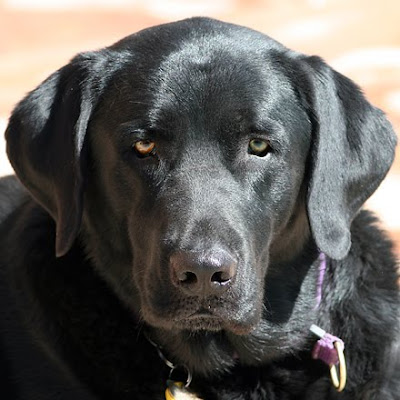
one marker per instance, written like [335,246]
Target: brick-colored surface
[361,39]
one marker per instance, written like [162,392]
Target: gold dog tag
[177,391]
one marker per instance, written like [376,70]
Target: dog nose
[202,273]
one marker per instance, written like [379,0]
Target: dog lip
[202,315]
[200,320]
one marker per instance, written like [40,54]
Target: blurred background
[359,38]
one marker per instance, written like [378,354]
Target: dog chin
[213,324]
[202,342]
[200,322]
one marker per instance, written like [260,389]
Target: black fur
[86,252]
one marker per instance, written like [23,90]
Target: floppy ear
[352,150]
[46,144]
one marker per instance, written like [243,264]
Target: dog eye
[258,147]
[144,148]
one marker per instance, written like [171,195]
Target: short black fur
[95,255]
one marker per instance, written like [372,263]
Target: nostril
[221,277]
[187,278]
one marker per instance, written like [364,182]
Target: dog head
[198,160]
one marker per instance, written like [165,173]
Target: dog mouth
[236,311]
[206,320]
[201,320]
[201,323]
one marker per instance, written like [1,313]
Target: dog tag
[329,349]
[178,391]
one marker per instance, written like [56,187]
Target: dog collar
[321,275]
[178,380]
[329,348]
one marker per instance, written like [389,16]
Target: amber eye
[258,147]
[144,148]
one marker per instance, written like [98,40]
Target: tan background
[359,38]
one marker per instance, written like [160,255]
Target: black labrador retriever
[189,209]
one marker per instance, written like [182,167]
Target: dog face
[203,159]
[219,183]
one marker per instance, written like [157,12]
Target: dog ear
[46,144]
[352,150]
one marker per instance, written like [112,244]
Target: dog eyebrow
[133,128]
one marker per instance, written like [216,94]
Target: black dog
[194,193]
